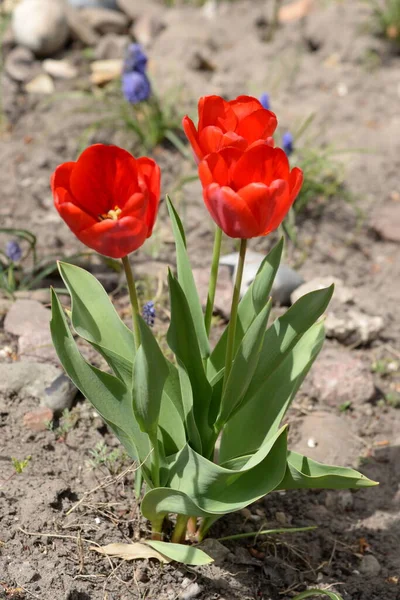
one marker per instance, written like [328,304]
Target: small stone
[281,517]
[38,420]
[20,64]
[339,376]
[386,222]
[370,566]
[27,379]
[342,294]
[60,69]
[104,20]
[216,550]
[60,394]
[192,591]
[42,84]
[130,8]
[345,499]
[141,575]
[111,46]
[80,28]
[335,442]
[112,4]
[353,327]
[199,62]
[104,71]
[286,281]
[146,28]
[251,266]
[40,25]
[5,305]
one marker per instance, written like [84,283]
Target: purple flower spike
[136,87]
[13,251]
[265,101]
[149,313]
[135,59]
[287,143]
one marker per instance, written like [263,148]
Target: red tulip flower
[239,123]
[108,198]
[248,194]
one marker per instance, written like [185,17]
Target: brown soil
[351,83]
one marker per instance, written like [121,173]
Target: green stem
[156,527]
[133,298]
[241,536]
[213,279]
[230,345]
[155,464]
[178,536]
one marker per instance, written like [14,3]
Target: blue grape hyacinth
[149,313]
[13,251]
[287,143]
[265,101]
[135,83]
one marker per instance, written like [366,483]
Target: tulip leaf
[186,280]
[183,342]
[254,300]
[199,487]
[316,592]
[303,472]
[149,375]
[264,411]
[187,555]
[187,399]
[108,394]
[95,319]
[243,367]
[172,417]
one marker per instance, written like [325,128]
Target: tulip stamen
[112,214]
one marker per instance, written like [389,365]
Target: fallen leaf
[295,11]
[130,551]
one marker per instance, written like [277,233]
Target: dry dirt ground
[331,65]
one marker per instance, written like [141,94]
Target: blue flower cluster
[135,84]
[287,138]
[13,251]
[149,313]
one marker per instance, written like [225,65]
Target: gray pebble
[60,394]
[370,566]
[192,591]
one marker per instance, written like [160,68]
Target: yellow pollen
[112,214]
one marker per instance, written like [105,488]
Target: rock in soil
[146,28]
[30,321]
[80,28]
[60,394]
[38,420]
[104,20]
[386,222]
[192,591]
[27,379]
[286,281]
[339,376]
[216,550]
[353,327]
[112,4]
[60,69]
[130,8]
[370,566]
[41,84]
[111,45]
[327,438]
[20,64]
[341,294]
[40,25]
[223,296]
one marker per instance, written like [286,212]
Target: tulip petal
[213,139]
[261,203]
[115,238]
[103,177]
[150,171]
[230,212]
[75,217]
[214,110]
[243,106]
[295,182]
[192,135]
[282,201]
[61,177]
[260,163]
[258,125]
[214,169]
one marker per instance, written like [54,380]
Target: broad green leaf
[183,342]
[251,304]
[315,593]
[150,373]
[199,487]
[303,472]
[108,394]
[171,421]
[186,280]
[187,555]
[262,414]
[187,400]
[243,367]
[95,319]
